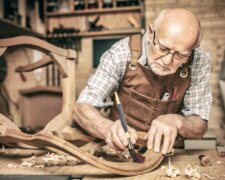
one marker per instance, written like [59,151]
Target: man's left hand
[163,129]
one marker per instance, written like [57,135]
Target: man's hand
[116,138]
[90,119]
[163,129]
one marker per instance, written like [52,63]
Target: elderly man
[164,92]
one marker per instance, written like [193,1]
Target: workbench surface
[180,159]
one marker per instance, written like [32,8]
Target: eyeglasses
[165,51]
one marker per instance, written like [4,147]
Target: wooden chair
[64,60]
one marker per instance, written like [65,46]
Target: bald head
[179,24]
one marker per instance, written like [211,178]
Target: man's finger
[166,142]
[111,145]
[115,139]
[151,137]
[157,140]
[172,141]
[122,136]
[133,135]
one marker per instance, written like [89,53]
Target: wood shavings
[56,159]
[109,151]
[192,172]
[163,167]
[26,164]
[12,165]
[124,154]
[171,171]
[218,162]
[50,159]
[31,160]
[204,160]
[92,151]
[39,166]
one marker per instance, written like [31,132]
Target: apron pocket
[145,109]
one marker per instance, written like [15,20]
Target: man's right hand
[115,136]
[90,119]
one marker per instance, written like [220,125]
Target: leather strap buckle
[132,67]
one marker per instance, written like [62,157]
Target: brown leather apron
[141,90]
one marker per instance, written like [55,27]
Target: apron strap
[135,48]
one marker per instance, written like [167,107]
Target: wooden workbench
[181,159]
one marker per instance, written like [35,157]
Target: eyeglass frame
[176,54]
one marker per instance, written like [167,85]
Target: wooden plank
[181,159]
[7,26]
[95,11]
[124,32]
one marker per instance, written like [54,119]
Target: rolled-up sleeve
[198,98]
[107,76]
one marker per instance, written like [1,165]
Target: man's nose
[168,59]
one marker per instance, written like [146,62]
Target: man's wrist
[104,126]
[179,123]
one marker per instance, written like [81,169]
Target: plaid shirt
[107,78]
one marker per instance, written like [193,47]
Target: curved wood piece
[122,168]
[64,59]
[73,134]
[41,140]
[61,121]
[2,50]
[61,64]
[5,124]
[58,55]
[30,67]
[36,44]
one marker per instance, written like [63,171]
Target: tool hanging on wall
[94,27]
